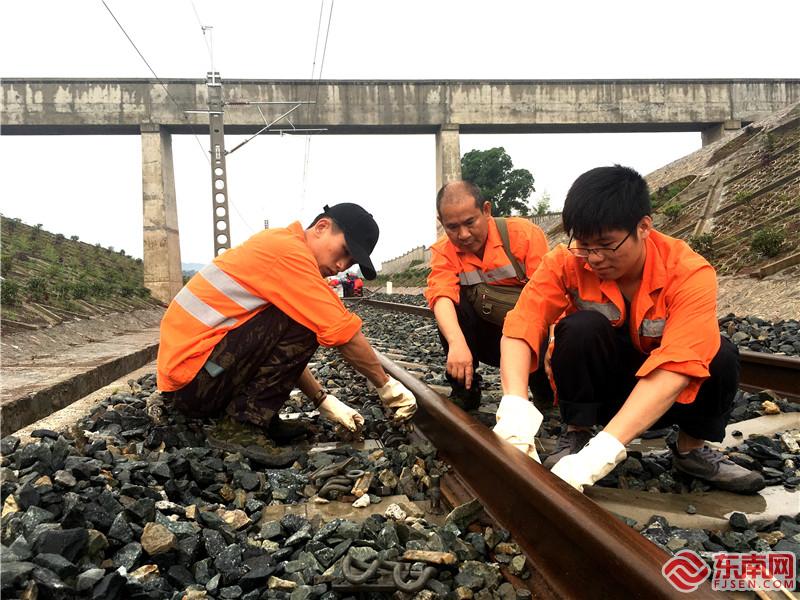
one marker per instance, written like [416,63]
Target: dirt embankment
[22,348]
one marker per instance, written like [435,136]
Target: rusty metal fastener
[397,570]
[335,484]
[392,439]
[369,570]
[411,586]
[330,470]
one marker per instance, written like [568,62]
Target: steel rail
[759,370]
[422,311]
[578,549]
[762,371]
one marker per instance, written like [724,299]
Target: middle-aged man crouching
[238,336]
[639,345]
[473,252]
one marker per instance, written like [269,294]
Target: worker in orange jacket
[358,286]
[639,346]
[239,335]
[471,252]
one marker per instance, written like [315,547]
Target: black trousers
[261,361]
[594,367]
[483,340]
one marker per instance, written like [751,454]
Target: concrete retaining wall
[402,262]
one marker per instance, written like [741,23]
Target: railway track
[572,543]
[549,519]
[760,371]
[574,547]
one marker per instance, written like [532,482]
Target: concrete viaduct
[445,108]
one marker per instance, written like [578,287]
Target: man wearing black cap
[238,336]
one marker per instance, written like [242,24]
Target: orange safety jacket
[273,267]
[452,268]
[673,313]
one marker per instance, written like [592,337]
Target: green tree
[507,188]
[543,205]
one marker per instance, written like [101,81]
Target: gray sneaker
[714,467]
[569,442]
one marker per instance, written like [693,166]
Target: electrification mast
[219,177]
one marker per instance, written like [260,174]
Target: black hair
[336,227]
[467,186]
[605,198]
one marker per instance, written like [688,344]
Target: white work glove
[597,459]
[396,396]
[517,423]
[337,411]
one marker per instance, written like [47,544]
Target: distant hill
[191,267]
[47,278]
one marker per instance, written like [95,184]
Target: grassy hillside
[47,277]
[737,202]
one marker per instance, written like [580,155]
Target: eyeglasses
[605,252]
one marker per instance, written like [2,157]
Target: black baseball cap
[360,232]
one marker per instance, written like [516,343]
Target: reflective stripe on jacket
[673,313]
[452,268]
[275,267]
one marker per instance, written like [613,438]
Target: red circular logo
[686,571]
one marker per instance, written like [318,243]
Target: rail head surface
[422,311]
[580,549]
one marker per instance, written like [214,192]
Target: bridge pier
[719,130]
[448,160]
[162,252]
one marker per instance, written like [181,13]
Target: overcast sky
[90,186]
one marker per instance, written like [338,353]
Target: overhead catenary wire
[307,153]
[205,153]
[209,42]
[158,80]
[307,144]
[325,47]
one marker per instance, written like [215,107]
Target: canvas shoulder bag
[492,302]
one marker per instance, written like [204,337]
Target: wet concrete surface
[35,387]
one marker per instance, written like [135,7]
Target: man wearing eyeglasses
[639,345]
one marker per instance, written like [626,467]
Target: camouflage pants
[261,360]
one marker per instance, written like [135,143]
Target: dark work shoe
[713,466]
[569,442]
[285,431]
[466,399]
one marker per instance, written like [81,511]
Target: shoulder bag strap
[502,227]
